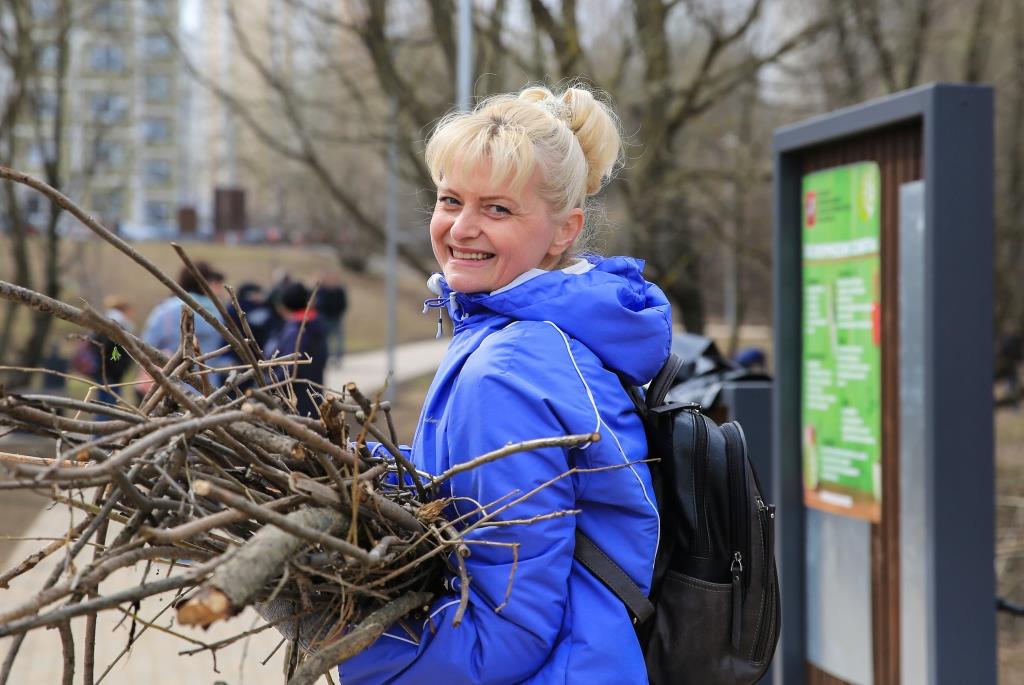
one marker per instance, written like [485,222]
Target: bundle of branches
[249,503]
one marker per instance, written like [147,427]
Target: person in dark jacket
[331,302]
[304,332]
[111,363]
[542,334]
[261,316]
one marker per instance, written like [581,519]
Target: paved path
[368,370]
[154,659]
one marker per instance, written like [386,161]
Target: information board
[842,391]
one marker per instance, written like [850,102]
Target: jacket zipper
[766,515]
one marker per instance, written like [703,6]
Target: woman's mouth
[471,256]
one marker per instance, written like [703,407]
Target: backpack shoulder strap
[662,383]
[658,388]
[587,552]
[614,578]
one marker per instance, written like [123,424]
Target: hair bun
[592,122]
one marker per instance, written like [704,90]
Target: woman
[540,336]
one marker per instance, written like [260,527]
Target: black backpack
[713,615]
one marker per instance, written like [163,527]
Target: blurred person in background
[163,327]
[55,361]
[100,358]
[1009,354]
[331,303]
[304,332]
[752,359]
[279,280]
[263,319]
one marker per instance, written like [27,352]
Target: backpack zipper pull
[736,571]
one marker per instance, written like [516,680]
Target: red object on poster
[811,208]
[876,323]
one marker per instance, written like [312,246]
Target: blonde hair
[572,138]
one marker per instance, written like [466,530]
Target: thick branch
[238,582]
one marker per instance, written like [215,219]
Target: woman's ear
[567,232]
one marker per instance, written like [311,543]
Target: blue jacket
[163,327]
[536,359]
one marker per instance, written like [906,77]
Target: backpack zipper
[740,512]
[700,481]
[740,520]
[766,515]
[736,571]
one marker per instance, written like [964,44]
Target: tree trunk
[56,174]
[22,266]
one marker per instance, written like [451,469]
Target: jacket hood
[621,317]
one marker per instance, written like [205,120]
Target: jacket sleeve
[153,332]
[518,573]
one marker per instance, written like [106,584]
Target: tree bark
[236,582]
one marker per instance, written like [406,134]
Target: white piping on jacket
[427,620]
[600,422]
[401,639]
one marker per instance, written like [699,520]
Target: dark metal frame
[957,125]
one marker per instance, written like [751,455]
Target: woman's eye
[498,209]
[447,201]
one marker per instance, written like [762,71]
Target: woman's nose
[465,226]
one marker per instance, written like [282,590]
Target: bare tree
[37,84]
[45,108]
[667,68]
[874,50]
[16,49]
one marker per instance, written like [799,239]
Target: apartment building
[122,123]
[147,143]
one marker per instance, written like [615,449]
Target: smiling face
[484,234]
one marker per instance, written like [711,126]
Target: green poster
[842,357]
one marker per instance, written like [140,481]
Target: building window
[157,45]
[158,88]
[105,57]
[157,8]
[158,213]
[44,10]
[108,204]
[108,108]
[38,153]
[45,104]
[157,172]
[108,14]
[156,131]
[107,154]
[46,57]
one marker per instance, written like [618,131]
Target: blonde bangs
[463,145]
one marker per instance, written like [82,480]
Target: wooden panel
[898,151]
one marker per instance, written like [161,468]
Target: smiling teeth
[471,255]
